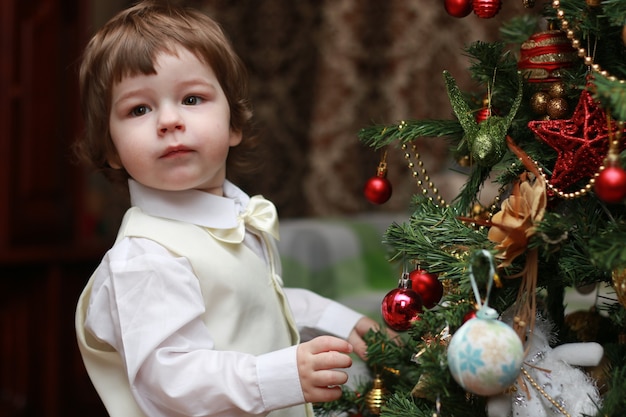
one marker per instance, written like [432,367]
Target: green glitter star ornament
[486,140]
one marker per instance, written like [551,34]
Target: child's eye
[139,111]
[192,100]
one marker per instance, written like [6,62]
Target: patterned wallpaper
[322,70]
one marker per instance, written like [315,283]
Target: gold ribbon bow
[260,214]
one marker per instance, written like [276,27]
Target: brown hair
[128,45]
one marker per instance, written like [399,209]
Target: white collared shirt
[255,384]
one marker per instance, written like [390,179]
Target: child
[186,314]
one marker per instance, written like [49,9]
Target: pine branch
[351,402]
[614,11]
[612,95]
[491,61]
[583,241]
[380,136]
[607,250]
[519,29]
[437,238]
[402,405]
[470,190]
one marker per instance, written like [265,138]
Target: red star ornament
[581,142]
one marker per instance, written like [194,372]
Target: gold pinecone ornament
[619,284]
[375,398]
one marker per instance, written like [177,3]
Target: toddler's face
[172,129]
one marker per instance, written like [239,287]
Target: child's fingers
[319,361]
[329,378]
[324,386]
[329,343]
[323,394]
[331,360]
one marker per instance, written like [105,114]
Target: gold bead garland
[543,392]
[576,44]
[490,210]
[422,171]
[571,195]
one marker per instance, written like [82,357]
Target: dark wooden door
[44,257]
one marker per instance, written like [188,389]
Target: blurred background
[319,72]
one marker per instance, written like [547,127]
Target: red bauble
[469,315]
[544,56]
[400,308]
[486,9]
[427,286]
[483,114]
[458,8]
[377,189]
[610,185]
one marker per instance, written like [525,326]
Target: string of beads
[543,392]
[422,171]
[576,44]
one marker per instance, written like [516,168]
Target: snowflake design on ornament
[507,370]
[470,360]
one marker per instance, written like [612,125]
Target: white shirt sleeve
[147,304]
[316,315]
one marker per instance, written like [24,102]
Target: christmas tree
[480,301]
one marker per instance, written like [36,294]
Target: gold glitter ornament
[557,108]
[593,3]
[375,398]
[557,89]
[539,102]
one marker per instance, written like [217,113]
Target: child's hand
[317,363]
[360,328]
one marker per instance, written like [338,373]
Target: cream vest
[244,312]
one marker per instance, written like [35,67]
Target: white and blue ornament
[485,355]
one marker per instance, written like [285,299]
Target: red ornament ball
[458,8]
[400,308]
[377,190]
[469,315]
[486,9]
[427,286]
[544,56]
[610,185]
[483,114]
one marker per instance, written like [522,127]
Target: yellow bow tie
[260,214]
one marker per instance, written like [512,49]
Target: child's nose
[170,119]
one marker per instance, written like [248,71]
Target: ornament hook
[477,260]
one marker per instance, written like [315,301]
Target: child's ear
[114,161]
[235,137]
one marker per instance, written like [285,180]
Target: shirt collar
[191,206]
